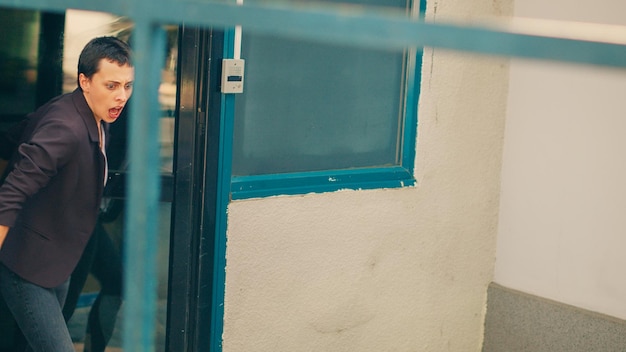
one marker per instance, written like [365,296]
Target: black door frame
[193,233]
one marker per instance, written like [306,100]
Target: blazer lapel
[90,122]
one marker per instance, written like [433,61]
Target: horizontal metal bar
[365,26]
[61,5]
[394,30]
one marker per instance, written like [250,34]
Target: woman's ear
[84,82]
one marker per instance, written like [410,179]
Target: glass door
[39,62]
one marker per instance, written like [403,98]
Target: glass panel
[308,106]
[18,63]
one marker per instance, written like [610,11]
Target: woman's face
[108,90]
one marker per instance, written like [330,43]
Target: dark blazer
[51,196]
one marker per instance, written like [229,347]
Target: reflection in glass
[18,62]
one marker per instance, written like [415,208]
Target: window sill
[245,187]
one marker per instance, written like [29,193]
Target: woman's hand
[3,234]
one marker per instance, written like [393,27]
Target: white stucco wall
[383,270]
[562,224]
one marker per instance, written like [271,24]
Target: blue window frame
[316,117]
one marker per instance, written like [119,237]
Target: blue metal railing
[329,23]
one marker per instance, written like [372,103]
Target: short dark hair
[110,48]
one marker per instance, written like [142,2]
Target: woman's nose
[123,95]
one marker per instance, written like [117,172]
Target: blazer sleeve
[51,145]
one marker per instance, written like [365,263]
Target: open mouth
[114,113]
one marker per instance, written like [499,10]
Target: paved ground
[79,321]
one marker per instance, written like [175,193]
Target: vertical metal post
[227,113]
[143,188]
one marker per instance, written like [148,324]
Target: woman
[50,198]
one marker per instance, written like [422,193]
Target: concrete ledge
[519,322]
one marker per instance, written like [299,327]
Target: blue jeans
[37,311]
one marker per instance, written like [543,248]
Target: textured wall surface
[383,270]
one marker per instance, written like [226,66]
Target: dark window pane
[308,106]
